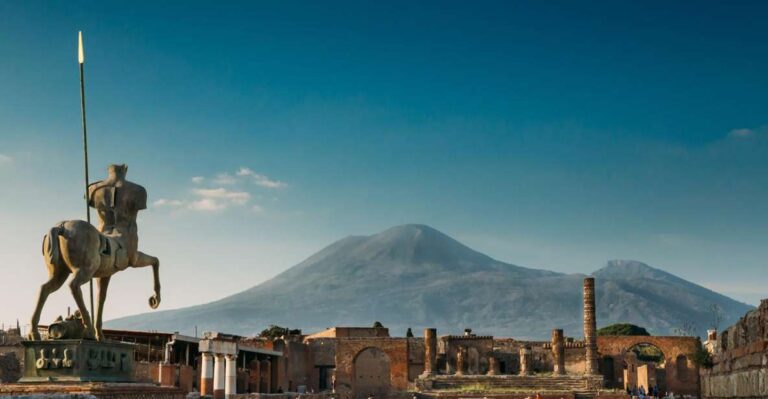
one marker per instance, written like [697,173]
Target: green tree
[623,329]
[274,332]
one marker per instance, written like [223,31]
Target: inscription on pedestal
[77,360]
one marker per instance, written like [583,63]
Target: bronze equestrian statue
[76,247]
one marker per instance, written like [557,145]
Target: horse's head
[117,172]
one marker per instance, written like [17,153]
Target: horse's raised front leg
[149,260]
[57,277]
[103,284]
[74,285]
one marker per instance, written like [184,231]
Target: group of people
[651,393]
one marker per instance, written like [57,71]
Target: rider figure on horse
[118,202]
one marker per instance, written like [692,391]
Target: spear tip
[80,51]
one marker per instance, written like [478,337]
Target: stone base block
[186,378]
[167,373]
[71,360]
[94,389]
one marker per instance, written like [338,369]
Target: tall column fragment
[525,361]
[590,326]
[558,351]
[430,352]
[460,360]
[493,365]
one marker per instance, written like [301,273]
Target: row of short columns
[526,354]
[218,374]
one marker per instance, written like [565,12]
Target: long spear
[81,61]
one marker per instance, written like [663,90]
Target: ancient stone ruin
[739,366]
[364,362]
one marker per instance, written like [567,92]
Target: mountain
[416,276]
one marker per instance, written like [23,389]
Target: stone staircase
[578,386]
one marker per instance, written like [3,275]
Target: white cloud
[261,180]
[207,200]
[169,203]
[741,133]
[207,205]
[5,159]
[224,178]
[222,197]
[237,197]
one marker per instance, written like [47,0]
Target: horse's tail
[51,252]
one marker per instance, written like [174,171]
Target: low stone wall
[287,395]
[147,372]
[510,395]
[520,395]
[11,357]
[740,368]
[10,365]
[87,390]
[740,384]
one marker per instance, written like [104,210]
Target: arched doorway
[681,365]
[607,369]
[645,366]
[371,374]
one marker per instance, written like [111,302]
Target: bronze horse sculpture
[76,247]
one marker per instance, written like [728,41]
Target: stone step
[540,382]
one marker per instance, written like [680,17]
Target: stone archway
[678,376]
[645,367]
[371,374]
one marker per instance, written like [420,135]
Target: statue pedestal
[101,390]
[74,360]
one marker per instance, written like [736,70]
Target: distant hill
[416,276]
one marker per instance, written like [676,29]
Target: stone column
[254,383]
[218,376]
[493,365]
[558,351]
[230,373]
[266,373]
[430,352]
[206,374]
[525,361]
[460,360]
[590,326]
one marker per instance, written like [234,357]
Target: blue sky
[554,135]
